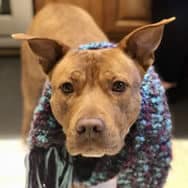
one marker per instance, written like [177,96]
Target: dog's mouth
[95,151]
[94,143]
[92,153]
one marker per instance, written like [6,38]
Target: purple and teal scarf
[143,163]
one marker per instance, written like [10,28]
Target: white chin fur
[92,155]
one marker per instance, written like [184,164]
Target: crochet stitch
[142,163]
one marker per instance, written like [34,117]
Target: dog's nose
[90,126]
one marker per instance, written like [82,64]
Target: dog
[95,93]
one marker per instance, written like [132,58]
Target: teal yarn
[143,162]
[97,45]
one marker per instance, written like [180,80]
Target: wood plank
[96,10]
[109,14]
[121,15]
[134,9]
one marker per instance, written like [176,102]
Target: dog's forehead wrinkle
[87,55]
[76,74]
[124,67]
[89,61]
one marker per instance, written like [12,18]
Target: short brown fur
[50,50]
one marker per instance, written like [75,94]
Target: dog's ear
[142,42]
[49,51]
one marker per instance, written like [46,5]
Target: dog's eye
[119,86]
[67,88]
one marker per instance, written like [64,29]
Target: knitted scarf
[142,163]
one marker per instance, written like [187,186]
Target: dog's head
[96,93]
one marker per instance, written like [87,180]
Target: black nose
[90,126]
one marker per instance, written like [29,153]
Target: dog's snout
[90,126]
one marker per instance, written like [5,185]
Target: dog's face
[96,93]
[95,97]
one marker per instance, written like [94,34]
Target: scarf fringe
[49,168]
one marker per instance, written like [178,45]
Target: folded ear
[142,42]
[49,51]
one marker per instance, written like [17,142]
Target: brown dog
[95,93]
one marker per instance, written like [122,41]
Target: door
[115,17]
[122,16]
